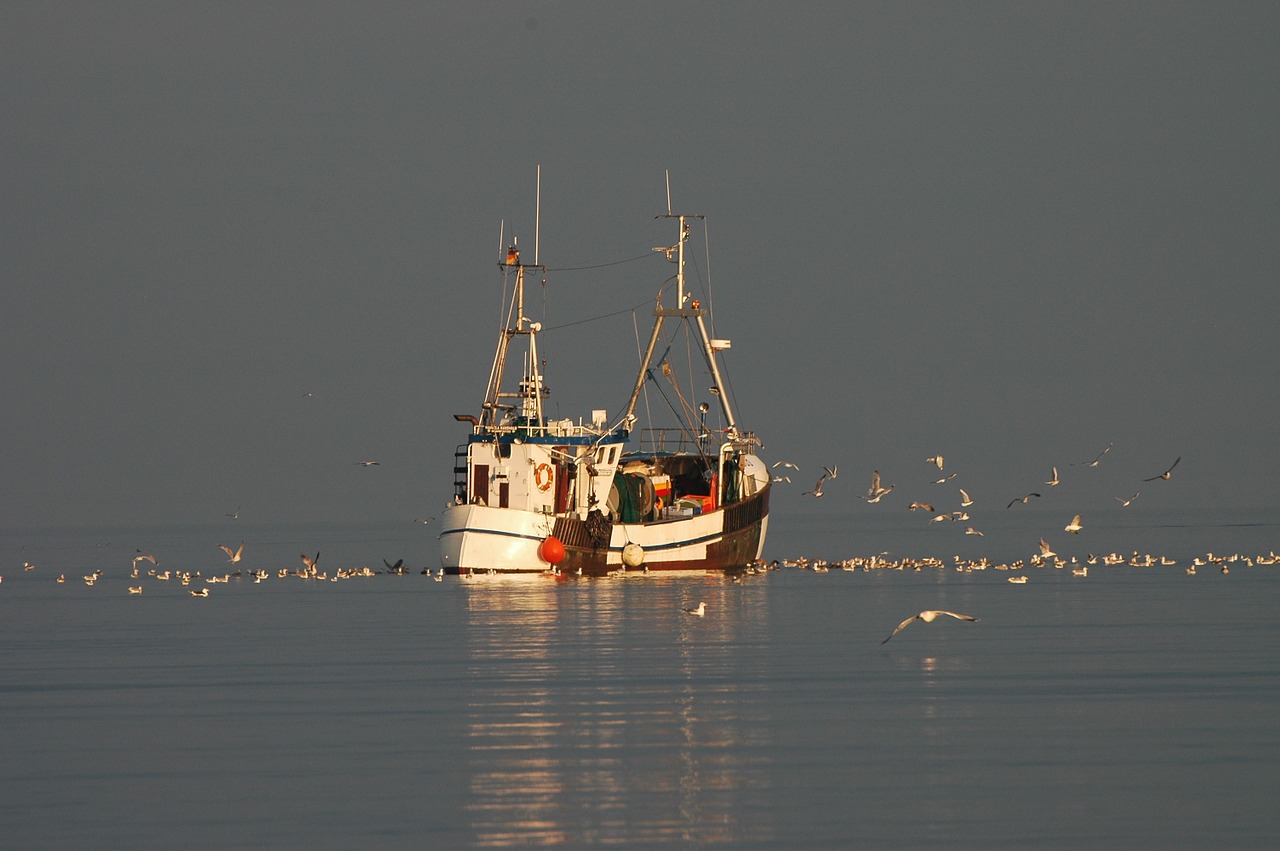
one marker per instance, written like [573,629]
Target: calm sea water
[1134,707]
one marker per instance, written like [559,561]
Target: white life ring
[544,476]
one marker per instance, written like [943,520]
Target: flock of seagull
[1046,557]
[877,491]
[310,570]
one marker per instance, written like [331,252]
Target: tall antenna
[502,235]
[537,217]
[668,173]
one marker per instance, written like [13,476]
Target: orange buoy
[551,550]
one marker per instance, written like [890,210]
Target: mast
[530,391]
[694,311]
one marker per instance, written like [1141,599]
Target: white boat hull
[481,539]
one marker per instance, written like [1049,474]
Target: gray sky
[1012,233]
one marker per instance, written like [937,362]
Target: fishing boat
[597,496]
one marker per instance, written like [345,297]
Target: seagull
[1095,461]
[698,612]
[26,565]
[235,516]
[367,463]
[232,557]
[424,522]
[1021,499]
[923,505]
[937,459]
[777,464]
[1054,481]
[203,592]
[309,561]
[786,479]
[135,589]
[141,556]
[1045,551]
[1126,502]
[928,616]
[965,499]
[831,471]
[875,491]
[816,493]
[973,531]
[1165,475]
[1074,526]
[945,479]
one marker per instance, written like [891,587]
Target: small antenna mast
[502,236]
[668,173]
[537,218]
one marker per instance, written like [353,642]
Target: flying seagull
[1022,499]
[928,616]
[141,556]
[875,491]
[817,489]
[965,500]
[309,561]
[232,556]
[777,464]
[368,463]
[1045,550]
[937,459]
[1165,475]
[1095,461]
[1074,526]
[1126,502]
[1054,481]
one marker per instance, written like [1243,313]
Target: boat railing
[667,440]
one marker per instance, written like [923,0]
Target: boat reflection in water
[599,712]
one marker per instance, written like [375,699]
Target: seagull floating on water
[928,616]
[700,611]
